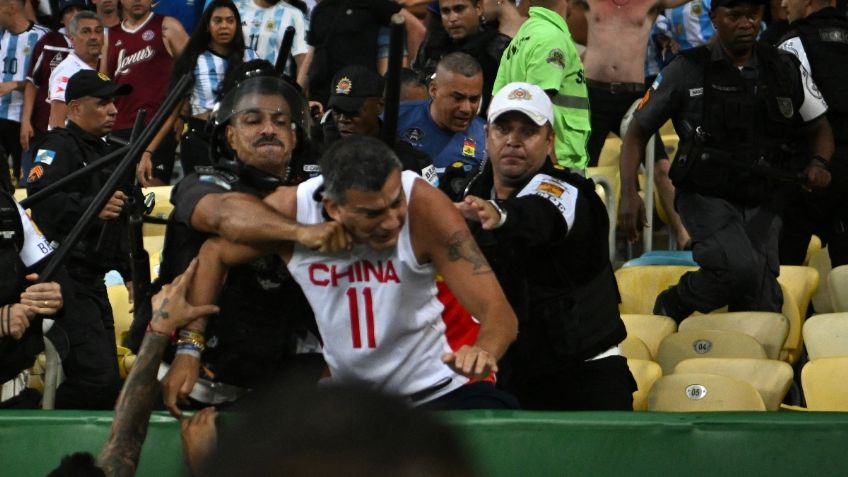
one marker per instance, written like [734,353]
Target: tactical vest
[825,41]
[746,122]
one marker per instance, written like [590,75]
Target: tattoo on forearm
[120,455]
[461,246]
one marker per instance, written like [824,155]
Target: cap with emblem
[525,98]
[352,85]
[91,83]
[732,3]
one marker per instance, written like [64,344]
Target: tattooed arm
[120,454]
[440,235]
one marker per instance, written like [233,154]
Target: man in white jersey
[18,37]
[264,23]
[86,30]
[376,304]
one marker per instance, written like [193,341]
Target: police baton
[285,50]
[128,162]
[392,96]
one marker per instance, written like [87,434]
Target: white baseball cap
[525,98]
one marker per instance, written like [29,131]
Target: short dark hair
[80,464]
[358,162]
[461,63]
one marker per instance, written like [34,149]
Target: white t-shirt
[377,311]
[60,76]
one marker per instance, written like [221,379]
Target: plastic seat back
[646,374]
[651,329]
[771,378]
[769,329]
[826,335]
[697,392]
[640,285]
[825,384]
[686,344]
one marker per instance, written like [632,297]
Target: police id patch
[558,192]
[556,57]
[786,108]
[44,156]
[213,179]
[413,135]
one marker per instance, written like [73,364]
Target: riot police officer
[22,250]
[818,37]
[91,368]
[735,103]
[251,337]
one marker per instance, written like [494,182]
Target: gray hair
[358,162]
[82,15]
[461,63]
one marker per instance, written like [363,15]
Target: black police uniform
[18,355]
[731,123]
[263,311]
[551,260]
[91,368]
[821,42]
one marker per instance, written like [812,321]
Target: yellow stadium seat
[686,344]
[667,129]
[838,283]
[20,194]
[820,260]
[813,247]
[122,354]
[639,285]
[651,329]
[607,179]
[825,384]
[162,209]
[771,378]
[646,374]
[121,311]
[611,152]
[794,344]
[826,335]
[633,348]
[769,329]
[698,392]
[801,282]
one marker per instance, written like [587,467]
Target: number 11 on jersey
[353,303]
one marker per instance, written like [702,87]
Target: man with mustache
[91,367]
[446,127]
[738,105]
[264,317]
[86,31]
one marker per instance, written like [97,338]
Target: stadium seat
[119,298]
[771,378]
[837,281]
[162,209]
[640,285]
[700,392]
[651,329]
[607,179]
[801,282]
[826,335]
[633,348]
[813,247]
[687,344]
[821,298]
[825,384]
[20,194]
[611,152]
[645,373]
[769,329]
[794,344]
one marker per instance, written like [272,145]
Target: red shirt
[50,50]
[138,57]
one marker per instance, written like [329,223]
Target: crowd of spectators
[505,106]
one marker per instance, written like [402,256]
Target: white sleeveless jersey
[377,310]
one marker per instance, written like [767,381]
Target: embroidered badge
[520,94]
[344,86]
[697,9]
[270,26]
[148,35]
[550,188]
[413,135]
[786,108]
[45,156]
[103,76]
[469,147]
[35,173]
[557,58]
[644,100]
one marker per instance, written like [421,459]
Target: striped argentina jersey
[208,75]
[690,24]
[16,53]
[264,28]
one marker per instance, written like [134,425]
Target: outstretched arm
[121,452]
[440,235]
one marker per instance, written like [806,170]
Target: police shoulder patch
[45,156]
[556,57]
[556,191]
